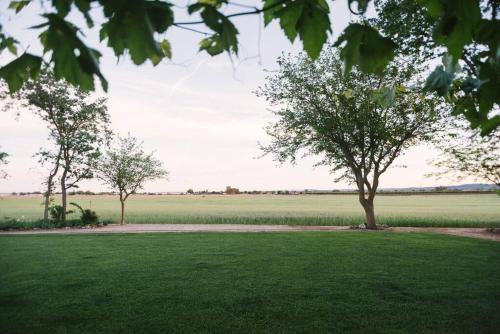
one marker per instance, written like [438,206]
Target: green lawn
[249,283]
[401,210]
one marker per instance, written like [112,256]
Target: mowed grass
[396,210]
[308,282]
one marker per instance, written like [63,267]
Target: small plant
[56,212]
[87,216]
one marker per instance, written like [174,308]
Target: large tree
[139,28]
[324,113]
[78,127]
[126,167]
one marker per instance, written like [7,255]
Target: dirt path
[480,233]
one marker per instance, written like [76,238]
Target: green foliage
[365,47]
[225,33]
[306,18]
[441,78]
[18,71]
[77,127]
[73,60]
[385,96]
[87,216]
[467,29]
[126,167]
[456,23]
[132,25]
[57,212]
[324,113]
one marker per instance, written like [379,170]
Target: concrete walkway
[480,233]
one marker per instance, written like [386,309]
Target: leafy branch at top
[138,28]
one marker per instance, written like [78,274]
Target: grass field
[249,283]
[410,210]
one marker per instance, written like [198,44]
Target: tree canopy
[125,167]
[139,28]
[346,121]
[78,126]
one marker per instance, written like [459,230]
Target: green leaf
[442,77]
[8,43]
[166,48]
[289,17]
[306,18]
[160,15]
[439,81]
[84,7]
[457,21]
[450,65]
[212,45]
[18,5]
[195,8]
[313,27]
[348,93]
[63,6]
[19,70]
[361,5]
[271,7]
[225,32]
[384,96]
[434,7]
[132,27]
[365,47]
[488,126]
[466,106]
[489,34]
[72,59]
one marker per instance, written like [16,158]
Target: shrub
[87,216]
[56,213]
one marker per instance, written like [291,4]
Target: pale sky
[196,112]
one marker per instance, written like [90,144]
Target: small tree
[126,167]
[347,120]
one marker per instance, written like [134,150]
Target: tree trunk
[122,220]
[63,196]
[50,184]
[370,216]
[48,193]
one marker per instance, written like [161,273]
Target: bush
[87,216]
[56,213]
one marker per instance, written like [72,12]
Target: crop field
[402,210]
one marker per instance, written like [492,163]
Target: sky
[197,113]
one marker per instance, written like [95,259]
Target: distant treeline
[274,192]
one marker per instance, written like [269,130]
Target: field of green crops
[401,210]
